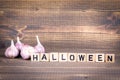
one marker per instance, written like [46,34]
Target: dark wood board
[12,69]
[87,26]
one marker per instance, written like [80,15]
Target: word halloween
[73,57]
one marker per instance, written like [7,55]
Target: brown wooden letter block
[100,57]
[44,57]
[90,57]
[62,57]
[72,57]
[35,57]
[81,57]
[54,57]
[110,58]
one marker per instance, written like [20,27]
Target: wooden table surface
[19,69]
[84,26]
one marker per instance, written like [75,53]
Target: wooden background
[63,26]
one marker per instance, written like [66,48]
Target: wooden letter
[62,57]
[81,57]
[110,58]
[100,57]
[90,57]
[35,57]
[44,57]
[54,57]
[72,57]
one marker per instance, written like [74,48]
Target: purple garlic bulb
[12,51]
[19,44]
[39,47]
[26,51]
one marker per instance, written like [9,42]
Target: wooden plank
[61,18]
[19,62]
[56,12]
[64,4]
[50,70]
[69,42]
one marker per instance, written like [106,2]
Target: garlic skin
[39,47]
[19,44]
[26,51]
[12,51]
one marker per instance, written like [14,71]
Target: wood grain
[90,26]
[58,12]
[12,69]
[50,18]
[64,4]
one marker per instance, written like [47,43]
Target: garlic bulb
[12,51]
[19,44]
[26,51]
[39,47]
